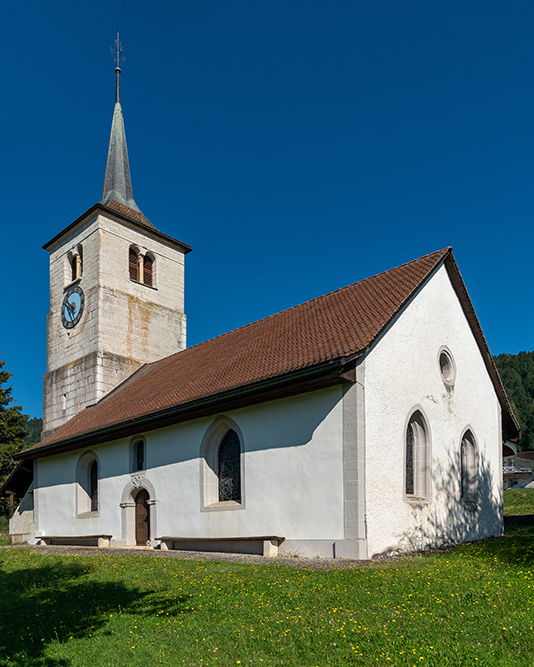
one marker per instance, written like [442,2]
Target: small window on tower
[133,265]
[148,270]
[79,262]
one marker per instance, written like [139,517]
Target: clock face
[72,307]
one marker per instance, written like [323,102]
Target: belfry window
[141,267]
[147,270]
[75,264]
[133,265]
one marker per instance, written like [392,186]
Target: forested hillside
[517,374]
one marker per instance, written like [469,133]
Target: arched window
[79,262]
[133,265]
[87,483]
[137,449]
[73,275]
[75,264]
[469,468]
[417,457]
[139,455]
[147,270]
[93,486]
[229,460]
[222,470]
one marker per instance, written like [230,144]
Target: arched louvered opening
[148,270]
[133,265]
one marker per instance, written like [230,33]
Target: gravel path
[139,552]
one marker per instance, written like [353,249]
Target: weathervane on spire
[116,50]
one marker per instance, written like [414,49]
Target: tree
[12,425]
[33,429]
[517,375]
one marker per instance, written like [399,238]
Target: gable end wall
[401,372]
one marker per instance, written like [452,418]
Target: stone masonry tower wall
[116,291]
[124,323]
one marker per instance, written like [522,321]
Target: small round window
[447,366]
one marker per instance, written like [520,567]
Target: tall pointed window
[93,486]
[230,468]
[417,458]
[410,443]
[469,468]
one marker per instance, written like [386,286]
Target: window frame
[88,485]
[448,376]
[469,468]
[421,484]
[143,275]
[209,466]
[133,447]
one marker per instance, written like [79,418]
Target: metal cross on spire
[116,50]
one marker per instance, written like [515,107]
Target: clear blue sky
[297,146]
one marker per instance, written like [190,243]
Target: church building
[364,422]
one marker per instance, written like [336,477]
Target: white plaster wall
[292,483]
[21,523]
[402,371]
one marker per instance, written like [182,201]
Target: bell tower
[116,291]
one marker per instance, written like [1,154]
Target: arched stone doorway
[137,494]
[142,518]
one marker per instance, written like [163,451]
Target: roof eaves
[98,206]
[335,371]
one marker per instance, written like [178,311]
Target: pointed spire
[117,181]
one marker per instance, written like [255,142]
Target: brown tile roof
[124,212]
[128,212]
[337,326]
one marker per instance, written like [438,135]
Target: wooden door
[142,518]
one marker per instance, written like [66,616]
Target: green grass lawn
[470,606]
[518,501]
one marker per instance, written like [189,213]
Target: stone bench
[76,540]
[265,545]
